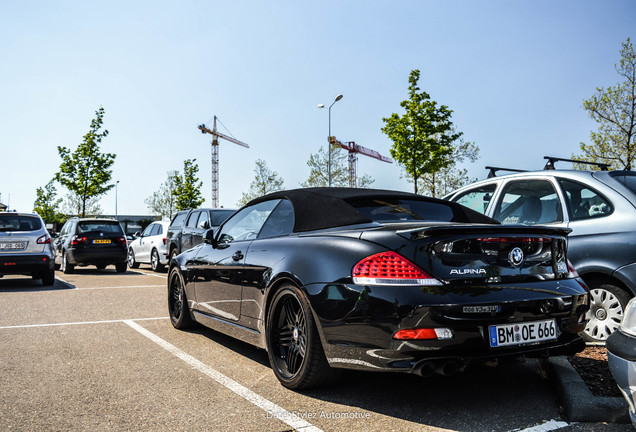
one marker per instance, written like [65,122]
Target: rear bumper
[87,256]
[357,324]
[26,264]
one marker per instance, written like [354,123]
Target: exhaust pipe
[425,369]
[447,368]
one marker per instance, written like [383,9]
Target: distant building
[3,207]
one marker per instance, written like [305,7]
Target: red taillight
[164,241]
[390,268]
[121,240]
[45,239]
[78,240]
[424,334]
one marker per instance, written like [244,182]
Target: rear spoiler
[521,230]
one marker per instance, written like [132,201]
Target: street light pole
[116,185]
[329,137]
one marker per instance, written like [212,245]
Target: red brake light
[45,239]
[390,268]
[424,333]
[121,240]
[513,239]
[78,240]
[164,241]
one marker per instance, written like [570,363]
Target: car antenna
[493,170]
[551,160]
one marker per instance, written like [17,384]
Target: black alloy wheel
[131,259]
[293,344]
[154,261]
[177,302]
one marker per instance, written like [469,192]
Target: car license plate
[12,245]
[520,333]
[101,241]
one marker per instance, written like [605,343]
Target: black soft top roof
[323,207]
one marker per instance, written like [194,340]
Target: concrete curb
[579,403]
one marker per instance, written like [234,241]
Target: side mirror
[209,238]
[205,225]
[137,234]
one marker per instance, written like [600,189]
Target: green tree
[187,188]
[423,136]
[74,205]
[614,109]
[163,201]
[46,204]
[319,167]
[86,171]
[452,177]
[265,181]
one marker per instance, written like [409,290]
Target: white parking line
[120,287]
[546,427]
[271,408]
[78,323]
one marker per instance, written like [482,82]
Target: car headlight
[629,319]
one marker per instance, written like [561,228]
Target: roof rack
[551,160]
[493,170]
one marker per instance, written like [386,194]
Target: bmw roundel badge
[516,257]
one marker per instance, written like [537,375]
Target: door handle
[238,255]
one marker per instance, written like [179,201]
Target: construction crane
[353,150]
[215,157]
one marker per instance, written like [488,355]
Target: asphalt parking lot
[97,352]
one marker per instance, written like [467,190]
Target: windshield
[10,222]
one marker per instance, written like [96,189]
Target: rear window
[179,219]
[9,222]
[405,210]
[99,226]
[219,216]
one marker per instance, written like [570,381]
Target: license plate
[521,333]
[101,241]
[12,245]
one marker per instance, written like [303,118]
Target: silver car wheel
[605,314]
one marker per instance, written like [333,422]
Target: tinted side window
[156,228]
[628,180]
[528,202]
[280,222]
[179,219]
[148,231]
[220,216]
[584,202]
[192,219]
[476,199]
[246,224]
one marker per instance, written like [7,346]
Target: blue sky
[515,74]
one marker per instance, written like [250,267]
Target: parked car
[600,209]
[621,357]
[25,247]
[91,241]
[330,278]
[149,247]
[188,226]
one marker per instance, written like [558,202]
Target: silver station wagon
[600,209]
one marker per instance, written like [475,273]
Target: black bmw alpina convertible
[327,279]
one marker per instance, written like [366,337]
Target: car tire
[173,253]
[66,267]
[154,261]
[131,259]
[607,307]
[101,266]
[177,301]
[293,344]
[48,278]
[121,267]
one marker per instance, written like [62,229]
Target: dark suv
[188,226]
[91,241]
[600,209]
[25,247]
